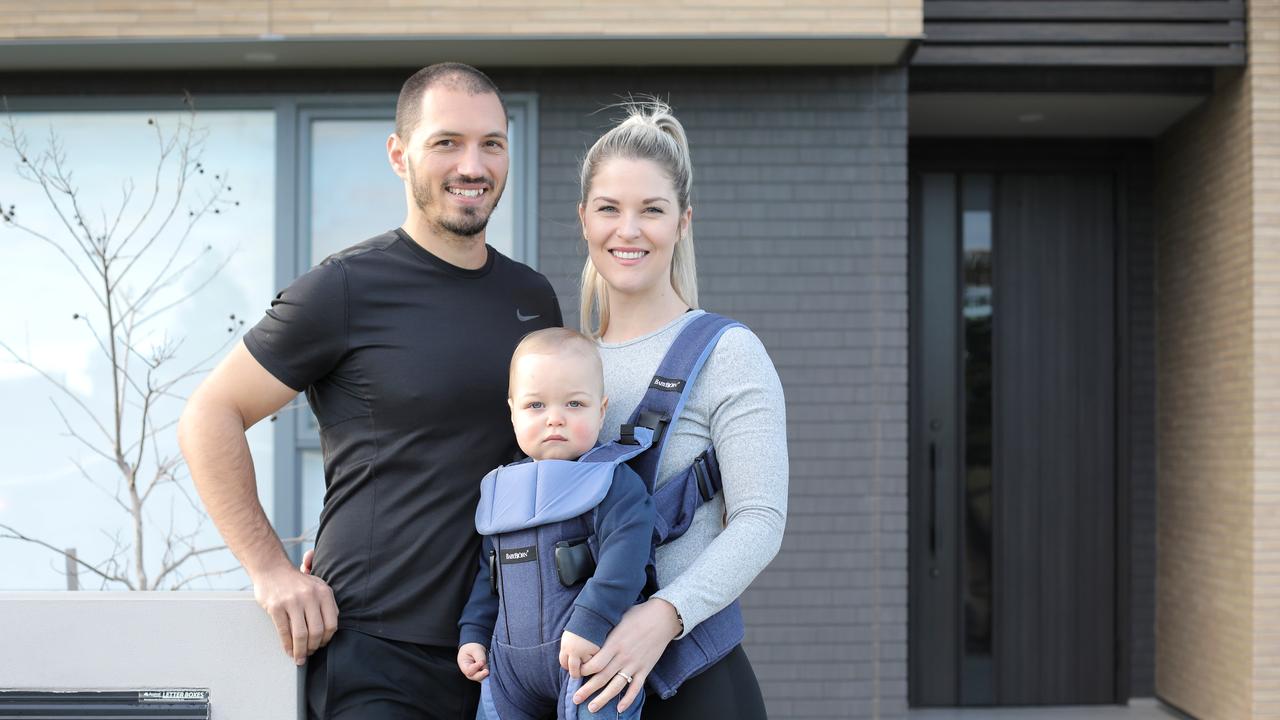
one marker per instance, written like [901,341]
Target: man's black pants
[372,678]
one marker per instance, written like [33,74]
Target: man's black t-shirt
[404,361]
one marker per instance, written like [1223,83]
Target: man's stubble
[459,230]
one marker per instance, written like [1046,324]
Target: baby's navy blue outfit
[528,512]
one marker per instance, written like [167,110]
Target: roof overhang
[485,51]
[989,114]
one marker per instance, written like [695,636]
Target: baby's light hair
[557,341]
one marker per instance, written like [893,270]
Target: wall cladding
[1111,34]
[1204,339]
[1264,77]
[315,18]
[1218,641]
[800,221]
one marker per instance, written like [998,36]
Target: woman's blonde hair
[649,132]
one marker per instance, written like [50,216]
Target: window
[311,177]
[56,488]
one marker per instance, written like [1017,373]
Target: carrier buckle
[656,422]
[574,562]
[627,436]
[700,473]
[493,572]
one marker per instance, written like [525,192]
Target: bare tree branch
[61,251]
[7,532]
[165,571]
[57,384]
[115,497]
[108,253]
[201,576]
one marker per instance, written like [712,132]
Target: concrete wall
[320,18]
[126,641]
[800,223]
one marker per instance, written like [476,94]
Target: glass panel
[55,487]
[312,494]
[976,231]
[355,195]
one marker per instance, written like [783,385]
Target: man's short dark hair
[451,74]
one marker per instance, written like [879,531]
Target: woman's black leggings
[727,689]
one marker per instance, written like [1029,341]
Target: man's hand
[473,661]
[301,606]
[575,651]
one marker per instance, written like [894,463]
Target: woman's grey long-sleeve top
[737,405]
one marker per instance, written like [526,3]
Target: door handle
[933,500]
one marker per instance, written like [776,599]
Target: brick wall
[1205,490]
[800,220]
[309,18]
[1218,611]
[1264,79]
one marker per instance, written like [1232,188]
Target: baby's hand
[575,651]
[472,661]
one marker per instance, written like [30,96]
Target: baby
[556,394]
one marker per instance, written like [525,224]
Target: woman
[639,288]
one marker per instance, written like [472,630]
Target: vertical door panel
[1055,429]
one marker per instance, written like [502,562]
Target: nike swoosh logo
[525,318]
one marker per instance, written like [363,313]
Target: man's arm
[237,394]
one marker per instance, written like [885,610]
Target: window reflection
[355,195]
[42,491]
[313,489]
[976,229]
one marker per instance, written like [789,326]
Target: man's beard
[473,220]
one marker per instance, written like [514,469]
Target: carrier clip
[703,476]
[493,572]
[574,562]
[657,422]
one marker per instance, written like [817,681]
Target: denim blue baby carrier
[537,516]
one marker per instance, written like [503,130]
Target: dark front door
[1013,554]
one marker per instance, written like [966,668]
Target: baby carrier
[541,520]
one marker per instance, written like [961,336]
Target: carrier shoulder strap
[669,389]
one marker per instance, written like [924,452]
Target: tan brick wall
[518,18]
[1218,286]
[1204,339]
[1264,76]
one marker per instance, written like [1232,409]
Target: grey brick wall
[800,222]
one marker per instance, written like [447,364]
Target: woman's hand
[630,651]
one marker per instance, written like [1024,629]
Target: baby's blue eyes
[537,405]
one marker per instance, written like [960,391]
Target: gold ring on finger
[624,676]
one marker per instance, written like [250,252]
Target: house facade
[1017,264]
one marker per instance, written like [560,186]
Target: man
[401,344]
